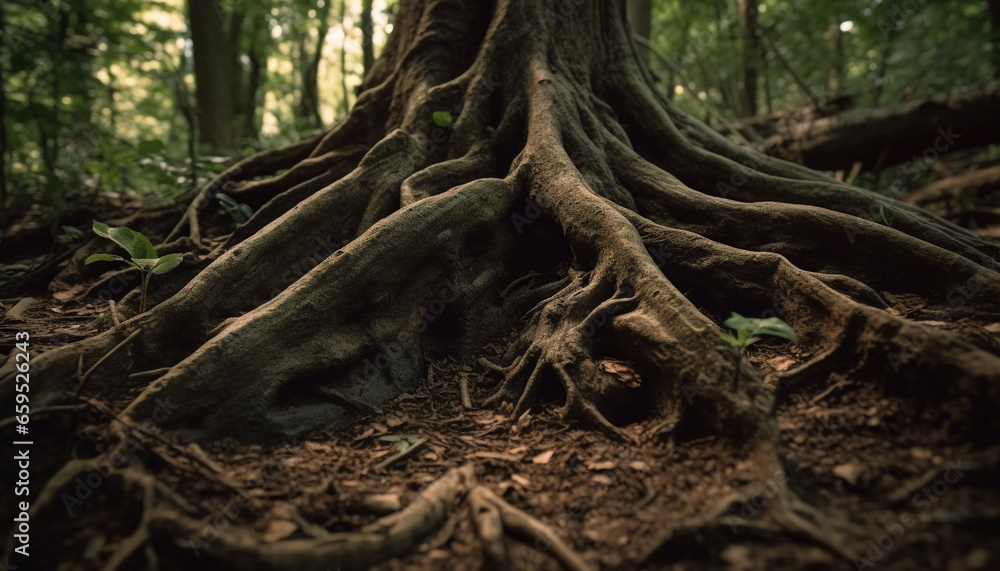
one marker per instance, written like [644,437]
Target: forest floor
[913,495]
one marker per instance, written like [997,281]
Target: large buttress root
[571,203]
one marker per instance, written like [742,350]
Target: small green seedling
[239,212]
[442,119]
[748,331]
[141,251]
[102,321]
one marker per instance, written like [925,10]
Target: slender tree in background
[993,6]
[310,60]
[345,100]
[639,16]
[836,73]
[367,36]
[565,189]
[4,151]
[214,75]
[751,53]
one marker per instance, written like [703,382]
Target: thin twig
[195,227]
[114,313]
[402,455]
[463,389]
[107,355]
[149,373]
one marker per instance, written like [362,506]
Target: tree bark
[566,202]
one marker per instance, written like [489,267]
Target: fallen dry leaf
[544,457]
[598,466]
[622,370]
[317,447]
[782,364]
[602,479]
[848,472]
[521,480]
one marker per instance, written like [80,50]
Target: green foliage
[238,211]
[69,235]
[140,249]
[748,330]
[442,119]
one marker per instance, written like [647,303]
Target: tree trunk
[751,51]
[993,6]
[345,100]
[836,72]
[569,203]
[214,76]
[3,129]
[639,15]
[367,36]
[309,103]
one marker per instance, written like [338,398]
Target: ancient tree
[568,201]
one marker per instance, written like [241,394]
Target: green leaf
[747,328]
[390,438]
[103,258]
[774,327]
[167,263]
[442,119]
[101,229]
[731,340]
[402,445]
[737,322]
[134,243]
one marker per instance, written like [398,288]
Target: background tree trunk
[214,76]
[367,36]
[751,52]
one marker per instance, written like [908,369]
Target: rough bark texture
[569,202]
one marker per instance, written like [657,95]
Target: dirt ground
[621,506]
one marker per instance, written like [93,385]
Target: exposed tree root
[568,201]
